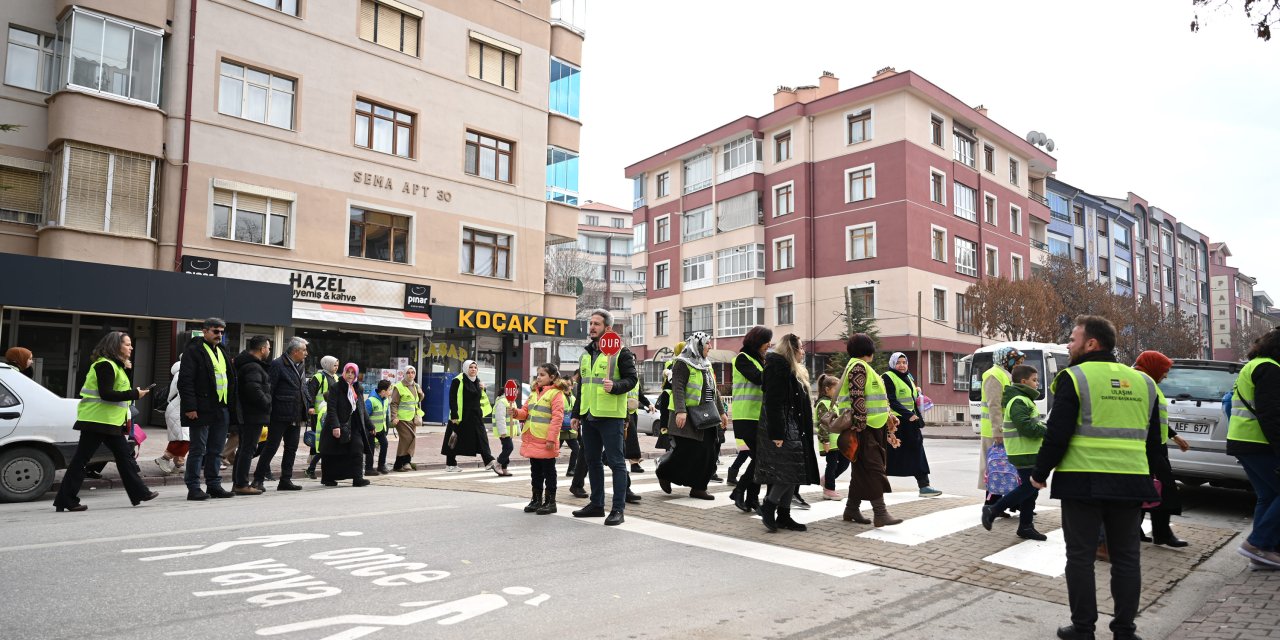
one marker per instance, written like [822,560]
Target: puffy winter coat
[786,415]
[173,410]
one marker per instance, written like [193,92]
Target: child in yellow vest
[824,413]
[544,413]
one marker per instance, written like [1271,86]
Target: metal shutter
[86,187]
[510,65]
[473,59]
[411,26]
[367,10]
[22,195]
[130,191]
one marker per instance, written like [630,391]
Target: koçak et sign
[320,287]
[505,322]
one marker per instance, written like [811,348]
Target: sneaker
[1254,565]
[453,469]
[166,465]
[310,473]
[929,492]
[1254,553]
[828,494]
[799,503]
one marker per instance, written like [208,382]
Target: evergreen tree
[856,320]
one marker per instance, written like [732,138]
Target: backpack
[1002,476]
[1226,403]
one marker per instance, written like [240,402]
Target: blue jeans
[211,437]
[1024,498]
[836,465]
[604,435]
[1261,469]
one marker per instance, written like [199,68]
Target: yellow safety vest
[876,398]
[93,408]
[824,405]
[379,414]
[321,405]
[905,393]
[748,398]
[219,371]
[409,407]
[1244,425]
[1111,429]
[485,408]
[595,400]
[996,371]
[1015,444]
[539,422]
[692,390]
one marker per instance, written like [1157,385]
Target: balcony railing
[637,203]
[1037,244]
[1038,198]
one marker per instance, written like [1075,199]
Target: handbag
[1155,503]
[847,445]
[139,436]
[453,440]
[703,416]
[309,438]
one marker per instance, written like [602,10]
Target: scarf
[466,367]
[351,388]
[1154,364]
[692,354]
[19,357]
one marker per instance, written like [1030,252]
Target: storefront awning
[362,316]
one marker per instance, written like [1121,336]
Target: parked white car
[648,423]
[36,436]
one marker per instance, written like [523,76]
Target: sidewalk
[1247,606]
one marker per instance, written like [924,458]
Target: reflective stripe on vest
[692,390]
[408,408]
[1016,444]
[321,405]
[905,393]
[824,405]
[748,397]
[539,423]
[486,409]
[219,371]
[1244,425]
[1115,411]
[595,400]
[996,371]
[876,399]
[379,414]
[93,408]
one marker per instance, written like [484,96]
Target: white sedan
[36,436]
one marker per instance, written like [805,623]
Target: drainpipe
[813,258]
[186,161]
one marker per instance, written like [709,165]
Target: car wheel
[25,474]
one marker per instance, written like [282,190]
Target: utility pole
[919,331]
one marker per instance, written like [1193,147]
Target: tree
[855,320]
[1244,335]
[567,269]
[1015,310]
[1265,12]
[1079,295]
[1149,328]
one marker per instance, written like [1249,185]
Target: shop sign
[320,287]
[501,322]
[406,187]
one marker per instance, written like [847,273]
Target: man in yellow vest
[206,385]
[1104,421]
[599,417]
[1253,437]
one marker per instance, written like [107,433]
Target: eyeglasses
[217,332]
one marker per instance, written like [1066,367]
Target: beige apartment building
[379,176]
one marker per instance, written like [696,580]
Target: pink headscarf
[351,388]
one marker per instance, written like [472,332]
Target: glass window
[740,153]
[378,236]
[786,310]
[245,92]
[862,302]
[1013,172]
[783,200]
[92,172]
[861,184]
[862,242]
[966,202]
[937,187]
[490,157]
[562,176]
[1015,267]
[497,65]
[1122,235]
[964,150]
[937,367]
[662,230]
[636,329]
[935,130]
[939,245]
[565,88]
[384,129]
[284,6]
[486,253]
[1124,273]
[858,126]
[1194,383]
[389,26]
[662,275]
[696,272]
[736,317]
[697,319]
[697,173]
[664,184]
[989,210]
[1059,245]
[739,263]
[743,210]
[250,217]
[29,61]
[940,305]
[696,224]
[1015,220]
[988,158]
[992,262]
[22,195]
[964,315]
[638,237]
[966,257]
[110,56]
[782,146]
[659,323]
[1058,207]
[784,254]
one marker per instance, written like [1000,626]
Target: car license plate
[1191,427]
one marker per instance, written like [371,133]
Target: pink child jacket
[534,447]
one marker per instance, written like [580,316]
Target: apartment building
[894,194]
[1093,233]
[1232,304]
[379,176]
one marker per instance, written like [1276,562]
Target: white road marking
[914,531]
[827,565]
[1046,558]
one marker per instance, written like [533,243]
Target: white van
[1048,358]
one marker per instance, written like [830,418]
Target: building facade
[1233,306]
[893,197]
[396,167]
[1093,233]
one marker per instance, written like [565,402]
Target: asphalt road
[388,562]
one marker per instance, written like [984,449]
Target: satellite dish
[1031,137]
[1049,146]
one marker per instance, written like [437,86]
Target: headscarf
[893,359]
[1154,364]
[351,388]
[466,368]
[1008,357]
[893,370]
[326,362]
[692,354]
[19,357]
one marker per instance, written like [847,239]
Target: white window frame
[1015,171]
[968,270]
[657,226]
[729,150]
[639,237]
[946,293]
[751,253]
[775,243]
[708,229]
[986,263]
[871,193]
[755,312]
[657,281]
[710,159]
[875,295]
[956,136]
[1015,214]
[848,241]
[706,263]
[666,317]
[271,90]
[777,308]
[945,249]
[237,188]
[868,129]
[1017,266]
[687,312]
[956,186]
[64,63]
[792,208]
[46,67]
[637,329]
[934,171]
[995,209]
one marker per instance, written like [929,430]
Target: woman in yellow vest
[748,398]
[468,407]
[405,412]
[909,460]
[317,390]
[543,414]
[1253,437]
[862,391]
[692,461]
[1156,365]
[102,418]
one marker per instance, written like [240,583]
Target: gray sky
[1133,99]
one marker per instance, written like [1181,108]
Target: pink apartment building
[894,193]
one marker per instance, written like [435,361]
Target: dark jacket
[624,376]
[679,382]
[745,430]
[253,391]
[472,437]
[909,458]
[106,389]
[1026,419]
[288,402]
[196,384]
[1266,402]
[352,419]
[1076,485]
[786,415]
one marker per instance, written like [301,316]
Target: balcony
[638,202]
[1038,198]
[1038,244]
[740,170]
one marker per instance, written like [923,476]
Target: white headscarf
[893,359]
[466,368]
[328,362]
[692,354]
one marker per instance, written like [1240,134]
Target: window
[964,315]
[989,210]
[1124,274]
[862,301]
[489,157]
[1140,265]
[988,158]
[784,256]
[636,328]
[959,373]
[739,263]
[966,257]
[493,61]
[992,262]
[637,191]
[740,153]
[786,310]
[108,55]
[1077,215]
[392,25]
[388,130]
[1169,281]
[381,236]
[1104,267]
[964,149]
[735,317]
[966,205]
[939,304]
[1058,206]
[699,223]
[1122,235]
[566,85]
[1102,226]
[1015,220]
[615,302]
[696,272]
[562,176]
[284,6]
[742,210]
[861,242]
[935,130]
[250,217]
[662,275]
[617,223]
[1059,245]
[1078,258]
[664,184]
[1166,243]
[29,61]
[659,323]
[860,183]
[662,230]
[782,146]
[85,175]
[638,237]
[1013,172]
[939,244]
[697,173]
[245,92]
[486,253]
[783,200]
[618,275]
[937,367]
[697,319]
[593,221]
[1015,268]
[937,186]
[858,126]
[619,246]
[22,194]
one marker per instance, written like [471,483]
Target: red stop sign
[512,390]
[610,343]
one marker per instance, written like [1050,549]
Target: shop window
[249,217]
[85,175]
[384,129]
[485,253]
[378,236]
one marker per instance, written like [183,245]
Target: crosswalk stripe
[817,563]
[919,530]
[1048,558]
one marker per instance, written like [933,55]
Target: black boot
[768,512]
[1162,533]
[535,503]
[549,505]
[784,521]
